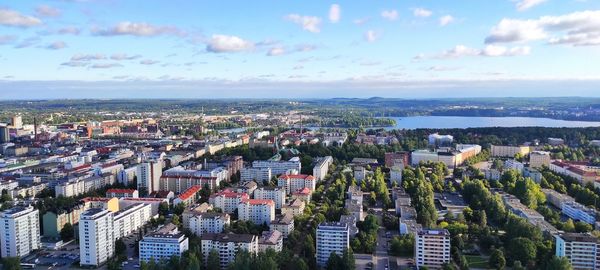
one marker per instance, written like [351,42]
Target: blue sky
[409,48]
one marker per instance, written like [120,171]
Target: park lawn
[477,261]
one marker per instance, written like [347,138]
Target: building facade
[19,232]
[432,248]
[96,237]
[331,237]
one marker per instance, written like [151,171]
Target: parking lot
[132,262]
[61,259]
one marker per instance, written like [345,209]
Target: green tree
[583,227]
[334,262]
[67,233]
[11,263]
[213,262]
[121,250]
[523,250]
[497,260]
[348,261]
[557,263]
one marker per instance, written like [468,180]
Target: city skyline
[412,49]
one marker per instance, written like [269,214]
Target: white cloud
[71,30]
[57,45]
[305,47]
[422,12]
[88,57]
[13,18]
[123,56]
[582,28]
[225,43]
[106,65]
[276,51]
[140,29]
[527,4]
[490,51]
[362,21]
[47,11]
[149,62]
[445,20]
[308,23]
[74,64]
[390,15]
[6,39]
[335,13]
[371,35]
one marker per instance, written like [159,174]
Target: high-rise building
[16,122]
[331,237]
[19,231]
[582,250]
[432,248]
[96,237]
[4,135]
[163,244]
[148,176]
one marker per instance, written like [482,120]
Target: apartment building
[256,210]
[179,183]
[321,167]
[270,240]
[227,245]
[163,244]
[130,219]
[296,182]
[148,176]
[303,195]
[255,174]
[19,232]
[557,199]
[331,237]
[227,200]
[188,197]
[276,194]
[122,193]
[582,250]
[283,224]
[209,222]
[193,210]
[509,151]
[397,159]
[294,208]
[579,212]
[538,159]
[432,248]
[96,237]
[277,166]
[54,222]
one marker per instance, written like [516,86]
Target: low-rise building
[122,193]
[579,212]
[582,250]
[270,240]
[209,222]
[294,208]
[283,224]
[321,167]
[276,194]
[227,200]
[188,197]
[259,175]
[296,182]
[539,159]
[303,195]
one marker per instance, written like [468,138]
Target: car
[370,264]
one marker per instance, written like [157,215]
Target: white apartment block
[331,237]
[509,151]
[96,237]
[582,250]
[296,182]
[127,175]
[322,167]
[276,194]
[278,167]
[19,232]
[227,200]
[148,176]
[163,244]
[131,218]
[257,174]
[538,159]
[432,248]
[70,189]
[209,222]
[270,240]
[511,164]
[579,212]
[283,224]
[227,245]
[257,211]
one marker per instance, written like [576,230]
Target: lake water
[433,122]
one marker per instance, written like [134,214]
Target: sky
[298,49]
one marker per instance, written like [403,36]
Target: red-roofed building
[582,171]
[122,193]
[296,182]
[257,211]
[227,200]
[188,197]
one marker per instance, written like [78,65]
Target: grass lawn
[477,261]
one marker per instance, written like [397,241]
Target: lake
[435,122]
